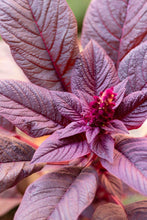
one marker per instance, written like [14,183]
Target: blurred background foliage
[79,8]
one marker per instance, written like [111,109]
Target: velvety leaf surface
[59,195]
[14,150]
[133,109]
[134,66]
[54,149]
[123,27]
[130,163]
[12,173]
[35,110]
[111,184]
[44,41]
[137,210]
[116,126]
[109,211]
[94,71]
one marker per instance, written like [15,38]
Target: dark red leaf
[111,184]
[123,27]
[44,41]
[60,195]
[109,211]
[12,173]
[137,210]
[14,150]
[4,123]
[94,71]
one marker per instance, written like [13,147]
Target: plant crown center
[101,109]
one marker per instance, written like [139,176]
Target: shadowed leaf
[14,150]
[60,195]
[12,173]
[109,211]
[137,210]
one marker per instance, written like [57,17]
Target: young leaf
[130,163]
[55,149]
[60,195]
[44,41]
[109,211]
[134,66]
[137,210]
[12,173]
[14,150]
[133,109]
[121,29]
[94,71]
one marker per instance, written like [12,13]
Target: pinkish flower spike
[101,109]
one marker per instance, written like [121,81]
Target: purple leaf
[134,66]
[109,211]
[137,210]
[116,126]
[121,29]
[14,150]
[111,184]
[60,195]
[72,129]
[133,109]
[54,149]
[91,134]
[130,163]
[103,147]
[4,123]
[30,108]
[94,71]
[44,41]
[12,173]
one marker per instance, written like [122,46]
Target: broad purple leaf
[91,133]
[35,110]
[115,127]
[103,146]
[54,149]
[12,173]
[9,199]
[14,150]
[121,29]
[4,123]
[59,195]
[133,109]
[134,66]
[111,184]
[137,210]
[130,163]
[109,211]
[44,41]
[94,71]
